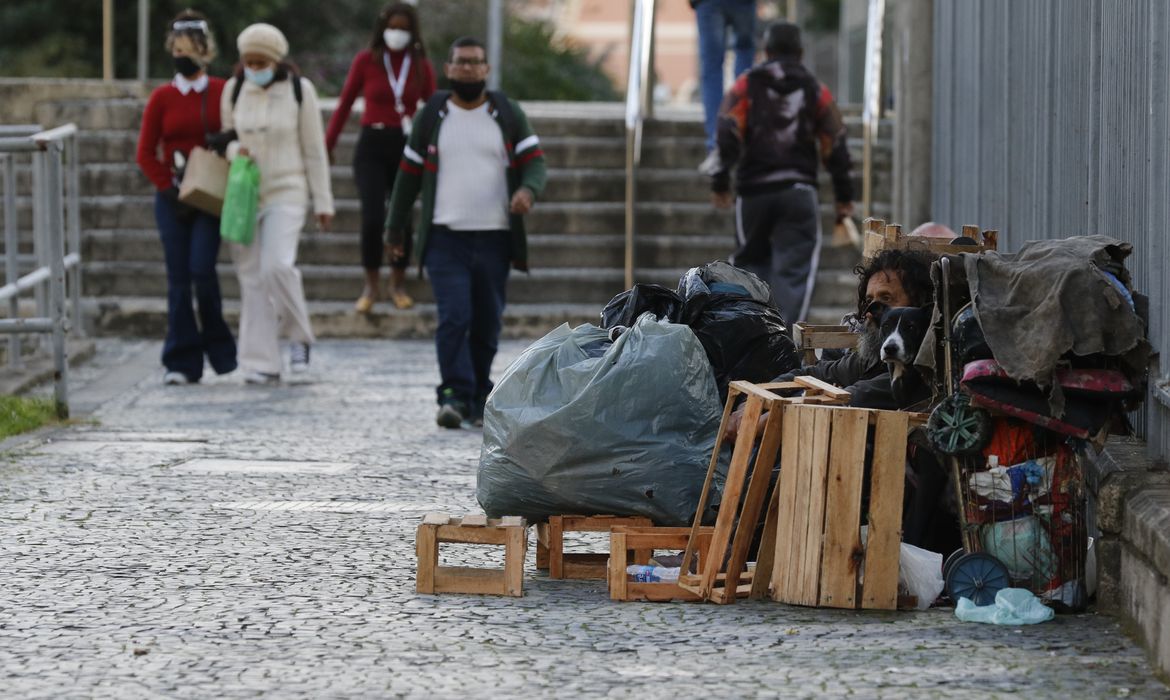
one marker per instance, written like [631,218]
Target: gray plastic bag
[626,431]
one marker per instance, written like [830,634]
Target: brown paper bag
[204,181]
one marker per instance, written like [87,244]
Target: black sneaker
[452,411]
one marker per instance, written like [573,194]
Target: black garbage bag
[743,334]
[625,308]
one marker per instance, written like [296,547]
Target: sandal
[401,299]
[364,304]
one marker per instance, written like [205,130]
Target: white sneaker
[261,378]
[711,165]
[298,358]
[175,379]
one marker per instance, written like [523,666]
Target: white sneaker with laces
[175,379]
[711,164]
[298,358]
[261,378]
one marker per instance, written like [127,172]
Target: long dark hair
[912,268]
[417,51]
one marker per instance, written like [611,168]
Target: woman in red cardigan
[393,75]
[178,117]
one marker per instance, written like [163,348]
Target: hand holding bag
[237,223]
[204,181]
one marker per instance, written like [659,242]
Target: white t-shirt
[472,189]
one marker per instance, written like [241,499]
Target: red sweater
[367,76]
[173,120]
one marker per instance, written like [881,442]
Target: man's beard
[869,345]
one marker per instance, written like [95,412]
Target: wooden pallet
[735,527]
[509,532]
[550,544]
[879,236]
[809,338]
[818,553]
[623,540]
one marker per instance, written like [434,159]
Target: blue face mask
[260,77]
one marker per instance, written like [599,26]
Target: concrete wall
[20,97]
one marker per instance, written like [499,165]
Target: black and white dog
[902,332]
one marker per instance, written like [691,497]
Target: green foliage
[63,38]
[19,414]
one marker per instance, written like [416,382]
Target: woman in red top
[393,76]
[178,117]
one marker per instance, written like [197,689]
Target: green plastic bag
[237,222]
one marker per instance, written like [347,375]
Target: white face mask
[396,39]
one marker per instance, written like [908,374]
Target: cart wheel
[956,427]
[977,576]
[949,562]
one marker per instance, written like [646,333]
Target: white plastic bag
[920,573]
[1013,606]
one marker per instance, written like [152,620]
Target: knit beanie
[263,39]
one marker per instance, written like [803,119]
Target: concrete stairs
[576,230]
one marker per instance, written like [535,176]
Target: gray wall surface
[1051,120]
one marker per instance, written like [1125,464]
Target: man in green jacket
[472,230]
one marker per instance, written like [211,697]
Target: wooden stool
[623,539]
[509,532]
[550,545]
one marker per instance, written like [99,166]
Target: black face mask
[187,66]
[468,91]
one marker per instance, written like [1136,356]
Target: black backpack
[430,113]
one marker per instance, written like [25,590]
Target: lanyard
[397,83]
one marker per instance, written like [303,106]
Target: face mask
[396,39]
[260,77]
[187,66]
[468,91]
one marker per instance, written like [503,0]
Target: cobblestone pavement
[130,569]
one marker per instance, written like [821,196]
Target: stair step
[343,282]
[146,317]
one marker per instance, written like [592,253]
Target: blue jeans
[715,18]
[469,275]
[190,245]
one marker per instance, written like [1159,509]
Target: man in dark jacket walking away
[775,123]
[479,167]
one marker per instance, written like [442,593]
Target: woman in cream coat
[287,142]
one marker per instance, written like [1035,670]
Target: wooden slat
[475,520]
[794,577]
[705,494]
[814,535]
[757,492]
[556,547]
[616,574]
[880,590]
[733,487]
[426,557]
[821,386]
[436,519]
[658,592]
[471,535]
[462,579]
[514,553]
[542,546]
[839,566]
[786,504]
[766,557]
[584,566]
[756,390]
[512,521]
[601,523]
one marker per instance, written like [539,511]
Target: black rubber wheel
[949,562]
[956,427]
[977,576]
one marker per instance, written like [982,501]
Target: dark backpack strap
[239,76]
[507,116]
[430,113]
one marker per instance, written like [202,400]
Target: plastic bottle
[644,573]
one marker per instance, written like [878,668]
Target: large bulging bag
[237,222]
[204,181]
[581,425]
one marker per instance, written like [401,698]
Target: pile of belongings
[621,419]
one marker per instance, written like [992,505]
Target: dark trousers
[375,163]
[779,237]
[469,275]
[190,242]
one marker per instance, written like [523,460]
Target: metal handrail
[639,107]
[53,211]
[871,100]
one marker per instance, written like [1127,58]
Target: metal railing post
[40,291]
[73,208]
[639,106]
[11,254]
[56,251]
[871,108]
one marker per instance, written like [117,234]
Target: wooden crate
[818,552]
[626,545]
[809,338]
[879,236]
[724,575]
[550,544]
[509,532]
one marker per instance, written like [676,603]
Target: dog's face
[902,331]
